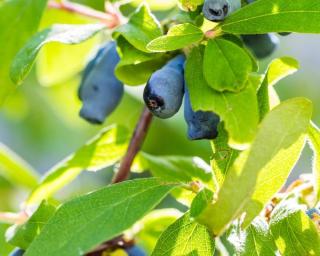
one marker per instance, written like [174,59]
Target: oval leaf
[178,37]
[275,16]
[141,28]
[185,237]
[65,34]
[84,222]
[226,65]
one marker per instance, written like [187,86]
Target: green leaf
[262,170]
[185,237]
[200,202]
[275,16]
[141,28]
[136,67]
[86,221]
[16,170]
[65,34]
[239,111]
[226,65]
[177,168]
[74,57]
[223,156]
[277,70]
[256,240]
[178,37]
[191,4]
[5,248]
[19,19]
[22,236]
[314,138]
[104,150]
[152,226]
[293,231]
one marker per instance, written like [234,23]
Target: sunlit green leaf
[66,34]
[185,237]
[314,137]
[178,37]
[141,28]
[275,16]
[293,231]
[86,221]
[262,170]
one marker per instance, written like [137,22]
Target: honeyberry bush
[206,52]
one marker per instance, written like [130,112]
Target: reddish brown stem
[134,146]
[111,20]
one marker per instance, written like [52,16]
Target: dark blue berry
[313,213]
[262,45]
[218,10]
[100,90]
[135,251]
[17,252]
[163,93]
[201,124]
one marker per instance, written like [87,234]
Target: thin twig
[111,20]
[13,218]
[134,146]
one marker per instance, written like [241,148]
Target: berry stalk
[136,142]
[111,19]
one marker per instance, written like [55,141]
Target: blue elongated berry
[218,10]
[313,213]
[17,252]
[135,251]
[201,124]
[164,91]
[261,45]
[100,90]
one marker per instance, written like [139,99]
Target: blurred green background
[40,120]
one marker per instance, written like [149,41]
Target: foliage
[240,202]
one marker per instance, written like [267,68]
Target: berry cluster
[166,88]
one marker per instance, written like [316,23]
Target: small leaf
[200,202]
[277,70]
[141,28]
[19,19]
[178,37]
[177,168]
[275,16]
[104,150]
[293,231]
[191,4]
[223,156]
[86,221]
[239,111]
[136,67]
[314,138]
[16,170]
[5,248]
[261,171]
[256,240]
[22,236]
[226,65]
[185,237]
[65,34]
[153,225]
